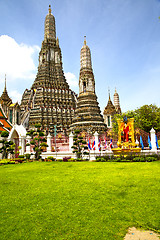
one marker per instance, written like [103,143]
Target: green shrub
[12,162]
[98,159]
[51,158]
[59,160]
[139,159]
[71,160]
[156,156]
[37,125]
[4,134]
[79,159]
[27,156]
[151,159]
[4,161]
[41,134]
[128,158]
[86,153]
[21,156]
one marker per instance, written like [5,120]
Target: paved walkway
[135,234]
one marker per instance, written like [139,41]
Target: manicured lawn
[89,200]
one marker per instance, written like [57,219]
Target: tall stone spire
[5,100]
[116,102]
[87,113]
[4,97]
[5,89]
[50,28]
[50,101]
[85,56]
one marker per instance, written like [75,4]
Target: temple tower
[50,101]
[109,112]
[111,109]
[116,102]
[11,110]
[87,114]
[5,100]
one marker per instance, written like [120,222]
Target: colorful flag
[149,143]
[105,146]
[99,144]
[157,142]
[93,145]
[141,142]
[111,144]
[89,144]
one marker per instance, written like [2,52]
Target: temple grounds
[79,200]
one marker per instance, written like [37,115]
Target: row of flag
[93,146]
[149,142]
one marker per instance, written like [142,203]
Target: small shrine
[126,140]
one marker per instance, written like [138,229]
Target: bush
[4,161]
[18,160]
[138,159]
[21,156]
[27,156]
[71,160]
[128,158]
[151,159]
[12,162]
[79,159]
[100,159]
[59,160]
[51,158]
[65,159]
[4,134]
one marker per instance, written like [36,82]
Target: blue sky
[123,35]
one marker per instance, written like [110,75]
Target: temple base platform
[125,151]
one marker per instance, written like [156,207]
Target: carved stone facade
[87,115]
[50,101]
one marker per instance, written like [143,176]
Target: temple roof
[110,108]
[5,125]
[4,97]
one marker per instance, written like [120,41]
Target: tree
[38,141]
[7,146]
[145,118]
[79,144]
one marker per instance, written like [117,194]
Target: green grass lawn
[79,200]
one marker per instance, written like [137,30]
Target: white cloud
[16,60]
[15,96]
[71,79]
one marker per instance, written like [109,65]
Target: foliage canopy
[145,118]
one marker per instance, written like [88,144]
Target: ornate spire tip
[85,42]
[50,9]
[5,82]
[109,93]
